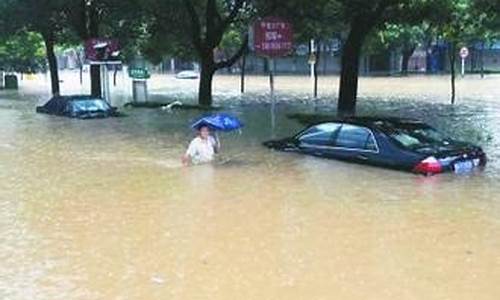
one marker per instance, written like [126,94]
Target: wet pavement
[103,209]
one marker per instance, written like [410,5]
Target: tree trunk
[350,70]
[95,81]
[407,53]
[452,57]
[207,38]
[205,88]
[95,70]
[51,58]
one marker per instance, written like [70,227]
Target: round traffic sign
[464,52]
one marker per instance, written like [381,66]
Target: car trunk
[453,156]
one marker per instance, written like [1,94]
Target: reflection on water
[103,209]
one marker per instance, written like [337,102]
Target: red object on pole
[273,37]
[102,50]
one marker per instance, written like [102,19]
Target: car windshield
[89,105]
[418,136]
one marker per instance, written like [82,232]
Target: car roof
[378,122]
[78,98]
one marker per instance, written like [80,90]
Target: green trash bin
[10,82]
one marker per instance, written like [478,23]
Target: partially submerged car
[78,106]
[187,74]
[395,143]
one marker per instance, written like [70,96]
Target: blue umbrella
[222,122]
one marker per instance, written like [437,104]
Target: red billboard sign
[102,50]
[273,37]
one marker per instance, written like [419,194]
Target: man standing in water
[202,149]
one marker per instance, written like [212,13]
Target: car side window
[355,137]
[321,135]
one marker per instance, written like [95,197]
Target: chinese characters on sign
[138,73]
[273,37]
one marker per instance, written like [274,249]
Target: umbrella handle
[217,141]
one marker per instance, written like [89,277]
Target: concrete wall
[381,64]
[491,60]
[327,64]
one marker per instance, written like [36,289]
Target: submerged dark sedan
[394,143]
[78,106]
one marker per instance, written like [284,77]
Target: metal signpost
[139,75]
[272,37]
[464,53]
[312,62]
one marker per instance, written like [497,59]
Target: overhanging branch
[231,61]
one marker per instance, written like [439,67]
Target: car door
[318,140]
[355,143]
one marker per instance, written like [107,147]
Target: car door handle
[362,157]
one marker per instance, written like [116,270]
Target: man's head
[204,132]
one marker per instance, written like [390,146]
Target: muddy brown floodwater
[103,209]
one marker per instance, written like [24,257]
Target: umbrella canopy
[222,122]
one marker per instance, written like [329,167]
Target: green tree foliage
[356,20]
[490,10]
[404,38]
[318,20]
[197,28]
[397,24]
[40,16]
[200,28]
[362,18]
[23,52]
[119,19]
[462,23]
[123,20]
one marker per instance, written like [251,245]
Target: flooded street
[103,209]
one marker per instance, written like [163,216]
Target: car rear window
[417,136]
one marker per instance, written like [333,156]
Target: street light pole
[312,62]
[463,66]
